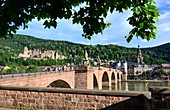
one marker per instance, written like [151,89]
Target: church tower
[139,56]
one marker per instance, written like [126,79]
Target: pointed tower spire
[139,51]
[139,56]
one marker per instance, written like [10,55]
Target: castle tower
[139,56]
[25,51]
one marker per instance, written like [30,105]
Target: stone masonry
[68,99]
[83,79]
[37,53]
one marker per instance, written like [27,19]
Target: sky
[66,31]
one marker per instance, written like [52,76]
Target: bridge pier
[100,86]
[125,76]
[120,77]
[83,78]
[116,77]
[110,79]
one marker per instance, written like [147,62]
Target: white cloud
[164,23]
[113,35]
[165,15]
[144,40]
[161,3]
[164,27]
[67,31]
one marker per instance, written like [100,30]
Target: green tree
[21,69]
[137,72]
[168,73]
[162,72]
[12,70]
[14,14]
[148,72]
[144,73]
[32,68]
[2,62]
[154,55]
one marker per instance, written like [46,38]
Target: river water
[138,86]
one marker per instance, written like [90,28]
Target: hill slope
[15,45]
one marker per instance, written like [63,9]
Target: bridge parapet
[32,73]
[81,69]
[38,80]
[53,98]
[160,98]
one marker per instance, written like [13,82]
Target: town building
[140,67]
[165,67]
[130,67]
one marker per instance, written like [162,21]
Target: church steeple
[139,56]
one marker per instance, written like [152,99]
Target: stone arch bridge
[82,78]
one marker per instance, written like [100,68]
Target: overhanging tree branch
[16,13]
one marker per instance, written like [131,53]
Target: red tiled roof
[165,65]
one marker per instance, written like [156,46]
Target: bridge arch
[119,76]
[95,82]
[59,84]
[105,79]
[114,77]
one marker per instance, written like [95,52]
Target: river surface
[138,86]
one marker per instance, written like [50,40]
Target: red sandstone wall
[81,80]
[56,101]
[40,80]
[90,80]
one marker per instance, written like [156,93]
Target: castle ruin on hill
[37,53]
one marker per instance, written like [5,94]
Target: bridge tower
[125,69]
[82,74]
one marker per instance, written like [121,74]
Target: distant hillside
[158,54]
[16,44]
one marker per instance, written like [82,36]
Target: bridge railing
[31,73]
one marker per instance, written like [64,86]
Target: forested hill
[16,44]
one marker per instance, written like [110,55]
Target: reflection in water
[126,86]
[137,86]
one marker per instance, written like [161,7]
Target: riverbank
[154,81]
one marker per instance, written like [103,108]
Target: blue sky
[114,35]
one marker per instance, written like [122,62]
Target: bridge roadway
[29,74]
[90,79]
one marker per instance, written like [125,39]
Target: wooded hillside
[11,47]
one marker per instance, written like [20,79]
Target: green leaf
[141,24]
[129,37]
[136,10]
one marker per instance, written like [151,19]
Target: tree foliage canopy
[16,13]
